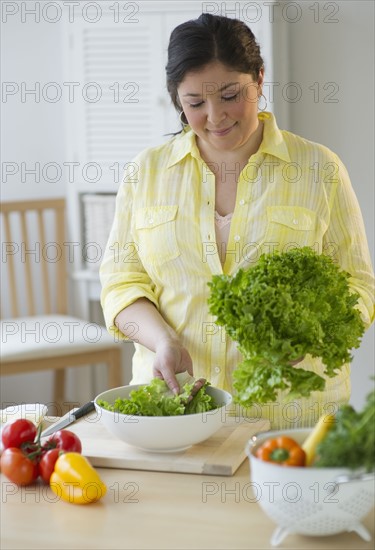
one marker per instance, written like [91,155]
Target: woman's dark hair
[196,43]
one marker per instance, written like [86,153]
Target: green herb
[288,305]
[351,441]
[156,399]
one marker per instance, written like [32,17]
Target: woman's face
[221,106]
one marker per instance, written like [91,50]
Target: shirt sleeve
[123,277]
[346,238]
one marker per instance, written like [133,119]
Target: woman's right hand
[171,358]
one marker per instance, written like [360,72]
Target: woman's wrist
[168,339]
[152,331]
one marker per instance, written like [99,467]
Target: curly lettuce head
[288,305]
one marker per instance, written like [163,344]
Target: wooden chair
[39,334]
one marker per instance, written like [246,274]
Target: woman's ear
[261,77]
[178,102]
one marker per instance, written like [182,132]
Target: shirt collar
[184,144]
[272,143]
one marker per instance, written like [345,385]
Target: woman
[210,200]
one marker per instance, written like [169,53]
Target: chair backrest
[34,257]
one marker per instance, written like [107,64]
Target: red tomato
[47,463]
[17,467]
[17,432]
[66,441]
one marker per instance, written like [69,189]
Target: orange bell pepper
[282,450]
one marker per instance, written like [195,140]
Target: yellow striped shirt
[162,246]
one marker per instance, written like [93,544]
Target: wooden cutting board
[221,454]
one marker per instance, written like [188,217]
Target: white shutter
[120,61]
[118,107]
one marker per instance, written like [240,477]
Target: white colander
[310,501]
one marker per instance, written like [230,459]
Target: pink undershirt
[222,228]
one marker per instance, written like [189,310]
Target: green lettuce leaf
[288,305]
[351,440]
[156,399]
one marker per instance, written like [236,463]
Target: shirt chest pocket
[289,226]
[156,232]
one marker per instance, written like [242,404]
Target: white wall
[319,52]
[32,128]
[32,132]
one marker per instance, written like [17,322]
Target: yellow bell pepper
[324,424]
[75,480]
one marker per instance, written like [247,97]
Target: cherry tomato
[66,441]
[17,432]
[47,463]
[17,467]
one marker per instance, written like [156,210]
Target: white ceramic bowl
[306,500]
[162,433]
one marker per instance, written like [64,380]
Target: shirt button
[295,221]
[237,238]
[217,370]
[242,202]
